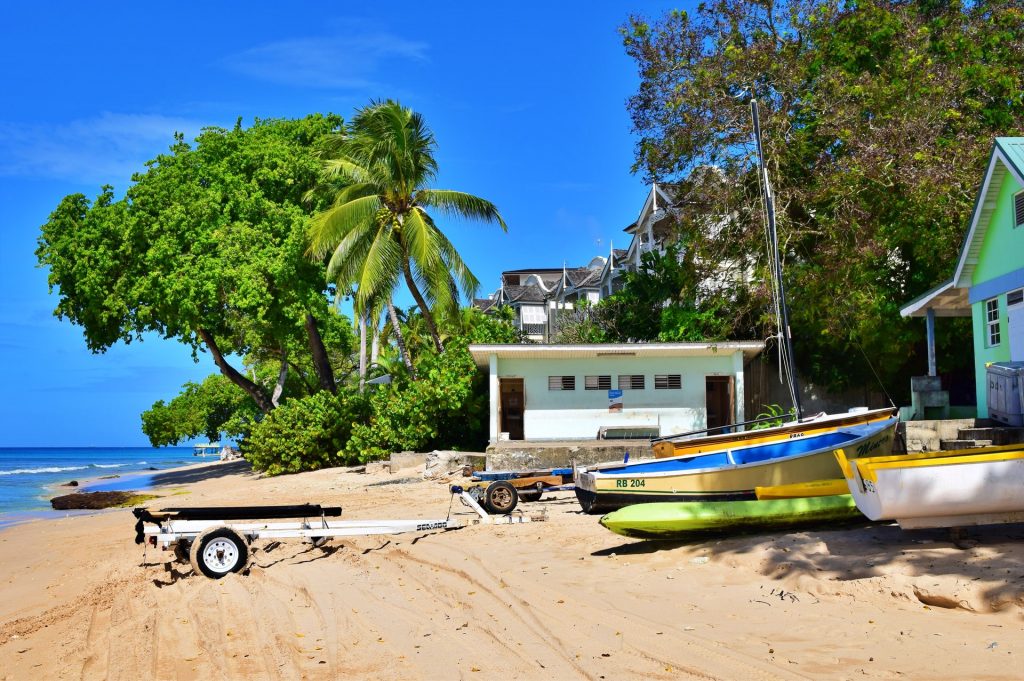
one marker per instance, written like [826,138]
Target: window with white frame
[533,314]
[631,382]
[561,382]
[992,322]
[597,382]
[1018,209]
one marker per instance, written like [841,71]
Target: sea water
[30,476]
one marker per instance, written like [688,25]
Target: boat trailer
[202,535]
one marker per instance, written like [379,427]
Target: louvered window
[1015,297]
[598,382]
[668,382]
[1018,210]
[631,382]
[561,382]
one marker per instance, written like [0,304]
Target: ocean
[30,476]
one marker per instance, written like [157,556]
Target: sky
[527,101]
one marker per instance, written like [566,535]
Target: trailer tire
[218,551]
[531,493]
[501,497]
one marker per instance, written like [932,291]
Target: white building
[558,392]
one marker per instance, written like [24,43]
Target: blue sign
[612,394]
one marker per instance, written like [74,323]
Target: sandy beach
[561,599]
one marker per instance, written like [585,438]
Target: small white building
[559,392]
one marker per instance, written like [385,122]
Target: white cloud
[106,148]
[345,61]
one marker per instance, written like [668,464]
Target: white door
[1015,324]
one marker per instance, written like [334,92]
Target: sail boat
[730,466]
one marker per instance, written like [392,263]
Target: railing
[533,329]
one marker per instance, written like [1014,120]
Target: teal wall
[1002,253]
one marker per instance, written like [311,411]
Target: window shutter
[668,382]
[561,382]
[598,382]
[1018,210]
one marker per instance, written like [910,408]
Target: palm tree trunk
[428,318]
[253,390]
[362,351]
[400,340]
[375,345]
[321,363]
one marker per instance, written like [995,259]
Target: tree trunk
[362,351]
[400,341]
[428,318]
[321,363]
[253,390]
[375,345]
[282,375]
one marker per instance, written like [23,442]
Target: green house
[988,284]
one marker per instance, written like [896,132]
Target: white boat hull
[940,489]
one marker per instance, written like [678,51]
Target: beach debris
[699,560]
[940,601]
[98,500]
[71,483]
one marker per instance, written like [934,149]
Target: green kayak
[675,520]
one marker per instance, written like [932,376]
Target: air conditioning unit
[1006,393]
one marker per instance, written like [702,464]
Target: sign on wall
[614,400]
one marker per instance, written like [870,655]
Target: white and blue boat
[731,474]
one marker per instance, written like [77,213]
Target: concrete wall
[580,413]
[998,271]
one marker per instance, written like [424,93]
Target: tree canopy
[206,247]
[878,116]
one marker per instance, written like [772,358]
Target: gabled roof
[524,294]
[484,304]
[1007,157]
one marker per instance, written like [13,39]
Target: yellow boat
[816,425]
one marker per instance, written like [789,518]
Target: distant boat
[681,520]
[729,475]
[979,486]
[207,449]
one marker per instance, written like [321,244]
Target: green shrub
[441,409]
[305,433]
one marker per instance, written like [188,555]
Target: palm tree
[378,231]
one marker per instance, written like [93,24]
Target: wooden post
[930,325]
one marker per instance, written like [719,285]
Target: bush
[440,409]
[305,434]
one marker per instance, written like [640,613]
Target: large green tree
[878,117]
[206,247]
[378,232]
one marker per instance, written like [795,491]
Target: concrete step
[951,445]
[998,436]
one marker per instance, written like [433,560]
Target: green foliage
[776,416]
[206,247]
[445,408]
[207,409]
[878,118]
[662,300]
[378,231]
[305,433]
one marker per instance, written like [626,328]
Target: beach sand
[562,599]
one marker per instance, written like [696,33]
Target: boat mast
[773,238]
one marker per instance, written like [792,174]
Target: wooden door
[512,407]
[719,402]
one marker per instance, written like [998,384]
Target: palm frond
[329,227]
[461,204]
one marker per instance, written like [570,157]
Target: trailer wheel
[218,551]
[501,497]
[531,493]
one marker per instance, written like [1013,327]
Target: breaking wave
[50,469]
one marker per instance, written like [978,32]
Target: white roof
[482,353]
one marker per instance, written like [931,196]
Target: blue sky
[527,101]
